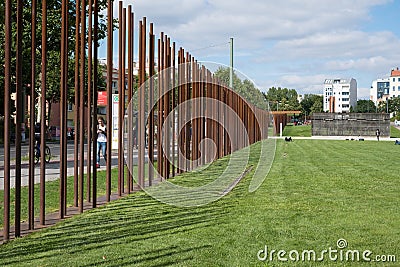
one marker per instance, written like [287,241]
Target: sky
[295,44]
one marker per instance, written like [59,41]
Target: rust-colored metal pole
[7,115]
[95,90]
[188,126]
[151,103]
[121,88]
[166,107]
[18,130]
[43,115]
[77,102]
[142,103]
[82,105]
[89,101]
[160,109]
[63,107]
[130,92]
[32,119]
[109,94]
[180,112]
[122,101]
[194,111]
[173,105]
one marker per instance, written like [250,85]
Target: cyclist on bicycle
[37,134]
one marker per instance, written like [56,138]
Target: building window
[69,106]
[394,88]
[394,79]
[398,79]
[345,99]
[398,88]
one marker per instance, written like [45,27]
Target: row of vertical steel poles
[80,111]
[180,80]
[193,82]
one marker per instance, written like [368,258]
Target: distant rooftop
[337,81]
[395,72]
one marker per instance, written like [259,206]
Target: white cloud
[295,44]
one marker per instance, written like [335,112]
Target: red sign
[102,98]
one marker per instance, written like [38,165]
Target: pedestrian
[378,133]
[101,140]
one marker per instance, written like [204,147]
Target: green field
[316,193]
[305,131]
[394,132]
[297,131]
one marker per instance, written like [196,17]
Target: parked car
[397,123]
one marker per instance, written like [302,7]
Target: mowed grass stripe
[316,192]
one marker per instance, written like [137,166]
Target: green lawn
[394,132]
[52,195]
[316,193]
[297,131]
[305,131]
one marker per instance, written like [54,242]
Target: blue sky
[293,44]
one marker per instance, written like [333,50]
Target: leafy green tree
[312,104]
[244,88]
[282,99]
[53,42]
[365,106]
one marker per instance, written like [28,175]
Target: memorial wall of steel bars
[165,128]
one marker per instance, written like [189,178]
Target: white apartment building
[380,89]
[386,88]
[340,95]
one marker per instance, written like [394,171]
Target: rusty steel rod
[160,110]
[150,151]
[109,94]
[89,101]
[188,91]
[43,115]
[121,85]
[77,102]
[19,120]
[95,92]
[173,105]
[142,103]
[7,116]
[130,92]
[63,108]
[166,75]
[82,105]
[179,130]
[122,102]
[32,118]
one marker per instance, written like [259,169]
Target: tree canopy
[53,44]
[244,88]
[364,106]
[312,104]
[282,99]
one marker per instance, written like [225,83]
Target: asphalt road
[53,167]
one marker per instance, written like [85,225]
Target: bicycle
[47,153]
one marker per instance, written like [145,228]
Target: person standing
[101,140]
[378,133]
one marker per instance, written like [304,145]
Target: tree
[282,99]
[312,104]
[365,106]
[53,43]
[245,88]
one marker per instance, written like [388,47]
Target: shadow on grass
[127,220]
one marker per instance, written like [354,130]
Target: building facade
[340,95]
[386,88]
